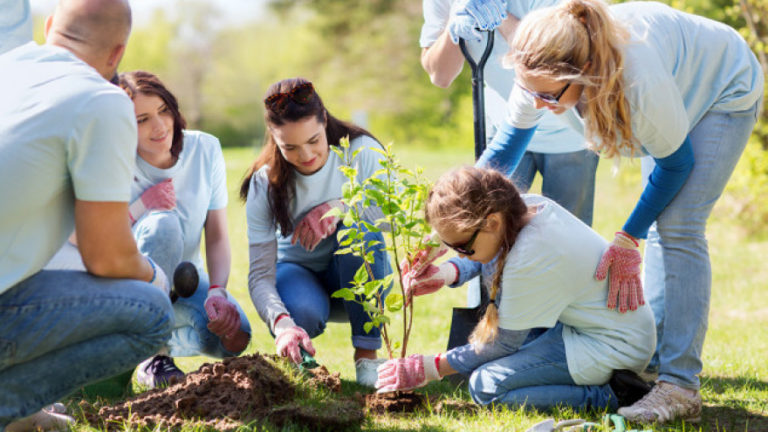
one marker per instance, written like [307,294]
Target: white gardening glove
[159,279]
[288,338]
[431,279]
[161,196]
[407,373]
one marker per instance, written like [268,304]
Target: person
[67,142]
[557,152]
[546,338]
[293,183]
[15,24]
[643,78]
[179,188]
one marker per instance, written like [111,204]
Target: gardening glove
[462,26]
[288,337]
[161,196]
[314,227]
[430,280]
[406,373]
[159,279]
[223,317]
[423,258]
[623,259]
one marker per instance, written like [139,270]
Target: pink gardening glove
[431,279]
[161,196]
[623,259]
[223,317]
[288,337]
[314,227]
[406,373]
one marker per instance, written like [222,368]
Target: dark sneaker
[158,371]
[628,387]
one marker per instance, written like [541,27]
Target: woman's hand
[314,228]
[407,373]
[161,196]
[623,260]
[289,337]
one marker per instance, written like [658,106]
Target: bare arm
[105,241]
[218,256]
[442,61]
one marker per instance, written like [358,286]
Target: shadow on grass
[736,405]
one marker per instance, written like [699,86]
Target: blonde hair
[461,200]
[578,41]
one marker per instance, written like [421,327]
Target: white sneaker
[664,403]
[41,420]
[365,371]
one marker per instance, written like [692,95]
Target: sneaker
[158,371]
[628,387]
[365,371]
[664,403]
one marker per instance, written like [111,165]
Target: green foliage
[400,193]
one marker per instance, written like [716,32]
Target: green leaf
[394,302]
[368,327]
[344,293]
[371,308]
[396,345]
[369,227]
[361,276]
[334,212]
[372,243]
[371,287]
[349,219]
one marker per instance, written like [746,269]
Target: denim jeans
[61,330]
[567,178]
[307,294]
[159,235]
[677,272]
[533,374]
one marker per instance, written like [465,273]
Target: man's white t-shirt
[552,135]
[65,134]
[549,277]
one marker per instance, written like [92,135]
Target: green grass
[735,376]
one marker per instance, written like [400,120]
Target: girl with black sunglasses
[546,338]
[291,185]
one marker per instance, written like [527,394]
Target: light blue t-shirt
[200,182]
[549,277]
[15,24]
[677,67]
[311,191]
[65,133]
[552,135]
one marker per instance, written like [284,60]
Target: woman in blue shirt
[644,79]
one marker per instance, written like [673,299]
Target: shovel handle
[478,94]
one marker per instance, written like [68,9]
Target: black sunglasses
[466,248]
[301,94]
[548,98]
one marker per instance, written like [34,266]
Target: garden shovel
[464,320]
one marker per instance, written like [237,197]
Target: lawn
[735,376]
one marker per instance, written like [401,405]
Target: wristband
[437,362]
[214,287]
[628,237]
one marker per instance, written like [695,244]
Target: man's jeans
[159,235]
[521,368]
[307,294]
[61,330]
[677,272]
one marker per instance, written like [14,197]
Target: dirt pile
[233,393]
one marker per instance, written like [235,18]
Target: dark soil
[229,394]
[394,402]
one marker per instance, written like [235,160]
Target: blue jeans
[61,330]
[567,178]
[677,272]
[159,235]
[307,294]
[531,370]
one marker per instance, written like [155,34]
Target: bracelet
[628,237]
[154,269]
[214,287]
[437,362]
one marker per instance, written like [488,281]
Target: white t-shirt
[65,133]
[677,67]
[311,191]
[200,182]
[15,24]
[549,277]
[552,135]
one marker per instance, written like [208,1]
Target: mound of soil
[394,402]
[229,394]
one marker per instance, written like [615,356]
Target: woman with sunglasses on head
[293,183]
[546,338]
[642,78]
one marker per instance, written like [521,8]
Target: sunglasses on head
[466,247]
[547,98]
[301,94]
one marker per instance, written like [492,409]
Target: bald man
[67,148]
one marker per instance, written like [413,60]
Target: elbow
[440,80]
[101,266]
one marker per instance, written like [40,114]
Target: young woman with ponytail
[546,338]
[292,184]
[641,78]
